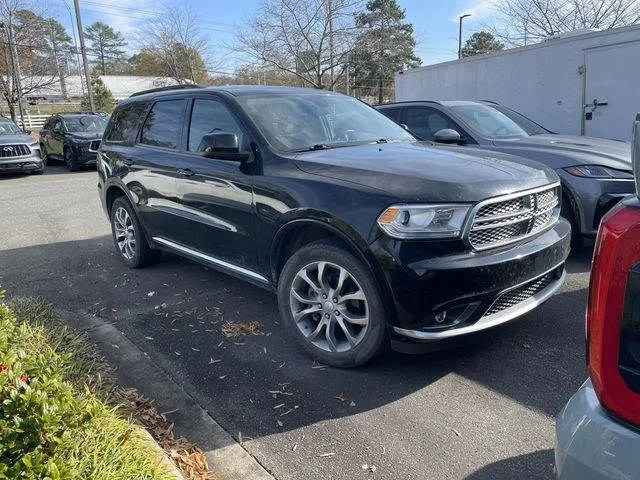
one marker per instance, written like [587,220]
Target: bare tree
[175,39]
[526,21]
[310,39]
[32,58]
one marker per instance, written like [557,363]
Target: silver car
[19,151]
[595,172]
[598,431]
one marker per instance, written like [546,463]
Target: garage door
[612,90]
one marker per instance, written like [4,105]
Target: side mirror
[635,152]
[405,126]
[223,145]
[447,135]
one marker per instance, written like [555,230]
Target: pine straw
[237,329]
[184,454]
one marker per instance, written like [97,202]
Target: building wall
[542,81]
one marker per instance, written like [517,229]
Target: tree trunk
[380,95]
[12,110]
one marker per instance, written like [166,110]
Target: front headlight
[596,171]
[34,145]
[424,221]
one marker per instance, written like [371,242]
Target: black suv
[73,138]
[368,236]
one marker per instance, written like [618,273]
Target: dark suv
[368,236]
[73,138]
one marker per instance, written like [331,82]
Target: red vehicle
[598,431]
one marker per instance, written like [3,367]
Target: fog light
[441,317]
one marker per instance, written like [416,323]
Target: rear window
[163,126]
[123,126]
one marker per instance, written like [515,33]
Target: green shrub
[50,429]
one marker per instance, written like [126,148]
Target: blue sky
[434,21]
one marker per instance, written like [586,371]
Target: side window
[56,126]
[164,124]
[209,116]
[123,126]
[393,113]
[425,122]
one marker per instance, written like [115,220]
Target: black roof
[235,90]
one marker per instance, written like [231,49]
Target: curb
[136,370]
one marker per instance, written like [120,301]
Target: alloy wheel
[329,306]
[125,233]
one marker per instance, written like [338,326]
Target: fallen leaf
[149,338]
[178,353]
[456,432]
[280,424]
[327,454]
[294,448]
[151,294]
[222,377]
[317,364]
[342,397]
[212,361]
[279,406]
[352,404]
[195,349]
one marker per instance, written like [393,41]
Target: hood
[559,151]
[17,138]
[86,135]
[420,172]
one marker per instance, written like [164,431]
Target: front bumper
[84,155]
[590,444]
[21,164]
[454,293]
[592,198]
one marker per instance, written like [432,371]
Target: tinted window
[210,116]
[163,126]
[488,121]
[425,122]
[85,123]
[123,126]
[7,127]
[393,113]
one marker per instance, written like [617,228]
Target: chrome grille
[14,151]
[520,294]
[94,145]
[499,222]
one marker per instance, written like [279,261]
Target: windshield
[529,126]
[309,121]
[488,121]
[9,128]
[86,123]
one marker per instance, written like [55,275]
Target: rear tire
[329,300]
[128,237]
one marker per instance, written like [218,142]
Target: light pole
[460,34]
[83,50]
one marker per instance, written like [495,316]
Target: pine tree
[102,97]
[479,43]
[385,46]
[107,44]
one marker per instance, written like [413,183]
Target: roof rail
[81,112]
[164,89]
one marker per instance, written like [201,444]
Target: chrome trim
[489,201]
[497,318]
[210,259]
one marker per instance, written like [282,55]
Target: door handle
[128,161]
[185,172]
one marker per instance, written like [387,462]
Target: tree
[479,43]
[384,47]
[34,55]
[310,39]
[524,21]
[107,44]
[175,42]
[102,97]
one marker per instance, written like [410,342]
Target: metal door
[612,90]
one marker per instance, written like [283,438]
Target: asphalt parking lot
[481,412]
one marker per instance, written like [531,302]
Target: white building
[555,82]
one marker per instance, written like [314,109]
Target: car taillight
[613,313]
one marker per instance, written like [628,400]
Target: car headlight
[424,221]
[34,145]
[596,171]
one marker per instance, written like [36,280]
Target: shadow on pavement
[538,465]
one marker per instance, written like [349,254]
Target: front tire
[71,160]
[330,301]
[128,237]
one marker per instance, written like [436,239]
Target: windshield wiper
[317,146]
[382,140]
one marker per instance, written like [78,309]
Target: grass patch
[57,413]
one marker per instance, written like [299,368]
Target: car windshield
[488,121]
[529,126]
[85,123]
[7,127]
[296,122]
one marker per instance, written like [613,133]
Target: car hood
[86,135]
[421,172]
[559,151]
[17,138]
